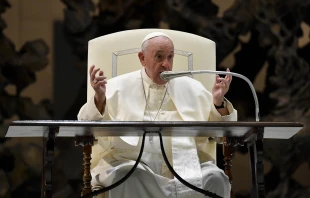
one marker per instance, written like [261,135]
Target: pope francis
[143,96]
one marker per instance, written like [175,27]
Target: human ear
[142,58]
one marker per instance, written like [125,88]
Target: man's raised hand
[99,85]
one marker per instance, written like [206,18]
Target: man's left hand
[220,88]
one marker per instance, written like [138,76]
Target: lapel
[188,103]
[138,94]
[131,88]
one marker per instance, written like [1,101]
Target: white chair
[116,54]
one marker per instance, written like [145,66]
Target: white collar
[149,81]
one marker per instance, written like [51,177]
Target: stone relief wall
[18,68]
[271,28]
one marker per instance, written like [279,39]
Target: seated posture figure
[143,96]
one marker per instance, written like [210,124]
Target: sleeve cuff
[90,112]
[232,116]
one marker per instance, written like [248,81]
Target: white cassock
[192,158]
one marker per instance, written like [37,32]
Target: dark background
[43,63]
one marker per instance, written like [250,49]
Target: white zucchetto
[155,34]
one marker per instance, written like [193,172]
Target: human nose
[166,63]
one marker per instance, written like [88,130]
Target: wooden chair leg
[87,143]
[228,151]
[87,176]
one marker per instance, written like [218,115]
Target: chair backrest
[117,54]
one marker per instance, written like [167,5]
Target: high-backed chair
[116,54]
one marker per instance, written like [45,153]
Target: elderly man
[143,96]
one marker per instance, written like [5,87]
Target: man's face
[157,57]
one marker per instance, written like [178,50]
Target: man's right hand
[99,85]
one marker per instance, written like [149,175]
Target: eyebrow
[160,51]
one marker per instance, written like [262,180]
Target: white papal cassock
[129,98]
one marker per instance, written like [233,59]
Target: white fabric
[186,164]
[144,183]
[155,94]
[155,34]
[195,105]
[183,149]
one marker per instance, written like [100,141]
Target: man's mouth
[163,71]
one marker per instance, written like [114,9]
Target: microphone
[170,75]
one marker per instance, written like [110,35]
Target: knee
[217,179]
[122,172]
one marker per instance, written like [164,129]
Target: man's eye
[158,57]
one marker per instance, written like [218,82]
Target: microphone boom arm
[169,75]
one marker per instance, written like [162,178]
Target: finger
[221,85]
[93,74]
[100,84]
[217,79]
[101,73]
[228,77]
[91,69]
[223,80]
[218,86]
[100,78]
[225,83]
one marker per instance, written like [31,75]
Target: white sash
[186,164]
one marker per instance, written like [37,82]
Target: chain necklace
[147,105]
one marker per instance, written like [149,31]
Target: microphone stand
[170,75]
